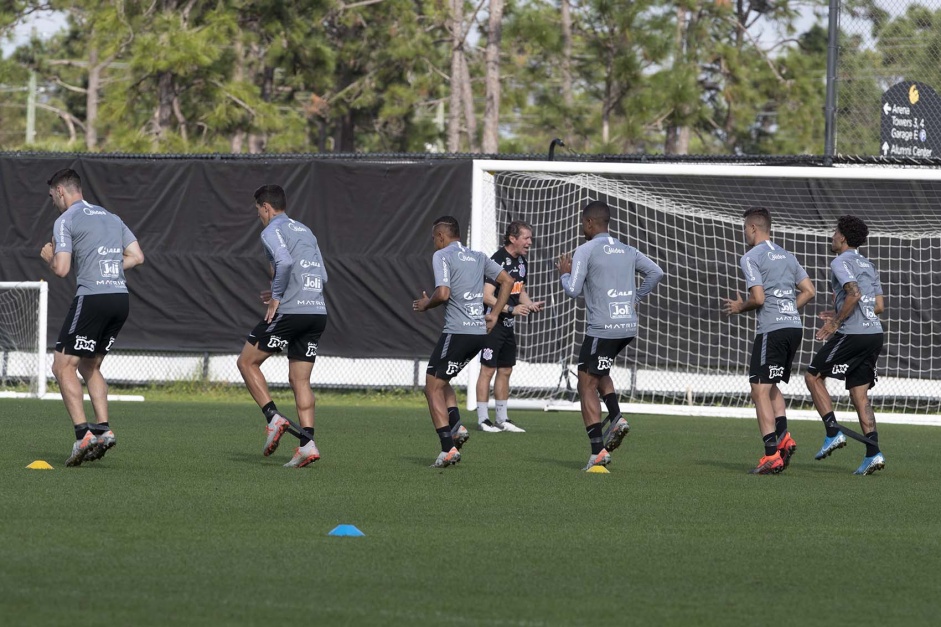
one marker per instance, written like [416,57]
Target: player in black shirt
[499,353]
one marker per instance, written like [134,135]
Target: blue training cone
[346,530]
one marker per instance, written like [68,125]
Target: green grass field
[185,523]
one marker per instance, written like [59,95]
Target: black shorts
[298,333]
[597,354]
[451,354]
[849,357]
[92,324]
[500,346]
[772,355]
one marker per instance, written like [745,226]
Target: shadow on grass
[562,463]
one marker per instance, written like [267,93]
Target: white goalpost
[23,311]
[688,358]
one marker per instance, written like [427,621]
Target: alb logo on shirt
[103,250]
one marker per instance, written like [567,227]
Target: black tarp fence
[196,222]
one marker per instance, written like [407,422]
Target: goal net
[688,357]
[23,369]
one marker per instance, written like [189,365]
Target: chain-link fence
[888,79]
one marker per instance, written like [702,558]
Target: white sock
[501,411]
[482,412]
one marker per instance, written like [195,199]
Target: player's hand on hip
[422,303]
[731,306]
[827,330]
[491,320]
[265,296]
[272,309]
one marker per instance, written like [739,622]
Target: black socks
[872,449]
[270,411]
[100,428]
[80,430]
[780,426]
[771,443]
[454,417]
[596,437]
[307,434]
[447,442]
[611,402]
[829,422]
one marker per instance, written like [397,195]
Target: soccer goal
[23,369]
[688,358]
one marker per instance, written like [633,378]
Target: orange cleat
[769,465]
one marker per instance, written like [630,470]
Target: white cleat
[488,427]
[598,459]
[304,455]
[447,459]
[460,436]
[508,426]
[273,432]
[80,449]
[105,441]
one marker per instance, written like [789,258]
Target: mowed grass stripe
[185,522]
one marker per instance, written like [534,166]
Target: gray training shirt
[605,268]
[463,270]
[299,272]
[778,273]
[851,267]
[97,239]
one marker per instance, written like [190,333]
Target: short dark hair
[853,229]
[759,216]
[450,223]
[514,229]
[67,177]
[273,195]
[597,210]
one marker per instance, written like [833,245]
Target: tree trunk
[258,141]
[567,98]
[491,139]
[678,135]
[470,117]
[164,110]
[456,26]
[91,99]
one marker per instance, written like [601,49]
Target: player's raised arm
[573,272]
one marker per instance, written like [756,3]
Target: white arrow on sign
[885,149]
[886,108]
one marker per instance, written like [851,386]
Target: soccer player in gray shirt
[604,270]
[854,340]
[102,248]
[459,285]
[778,288]
[294,321]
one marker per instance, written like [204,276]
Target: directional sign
[911,121]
